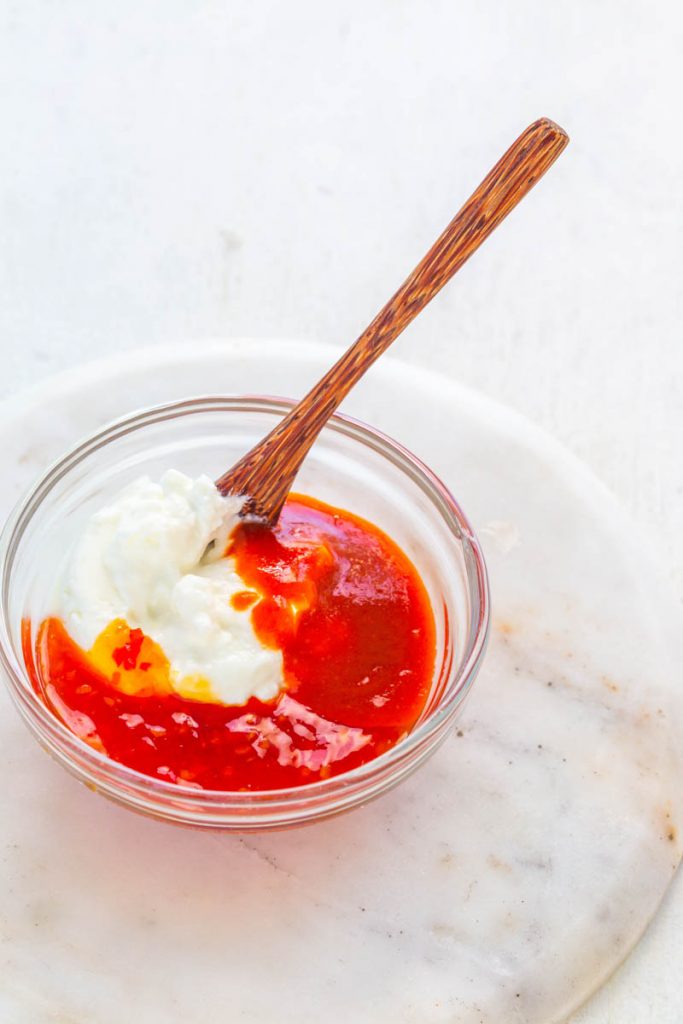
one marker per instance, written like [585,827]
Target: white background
[174,170]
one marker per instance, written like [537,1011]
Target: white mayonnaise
[143,558]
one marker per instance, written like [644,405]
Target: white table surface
[173,171]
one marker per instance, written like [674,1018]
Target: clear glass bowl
[352,466]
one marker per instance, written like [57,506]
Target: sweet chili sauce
[353,621]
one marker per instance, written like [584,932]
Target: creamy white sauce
[143,558]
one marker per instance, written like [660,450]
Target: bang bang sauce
[352,620]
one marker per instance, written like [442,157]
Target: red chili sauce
[355,627]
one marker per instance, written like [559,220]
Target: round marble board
[503,882]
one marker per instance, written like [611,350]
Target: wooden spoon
[266,473]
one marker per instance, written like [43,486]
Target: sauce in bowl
[348,612]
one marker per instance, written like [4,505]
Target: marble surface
[504,882]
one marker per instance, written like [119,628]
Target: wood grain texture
[267,472]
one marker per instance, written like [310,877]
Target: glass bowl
[352,466]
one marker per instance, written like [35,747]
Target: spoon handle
[267,472]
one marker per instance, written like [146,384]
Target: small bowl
[352,466]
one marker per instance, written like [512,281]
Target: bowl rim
[38,714]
